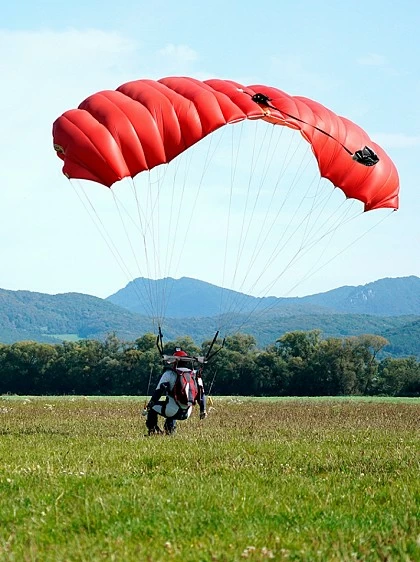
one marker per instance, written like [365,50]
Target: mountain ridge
[200,298]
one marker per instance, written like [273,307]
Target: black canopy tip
[262,99]
[366,156]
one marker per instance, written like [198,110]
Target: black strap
[365,155]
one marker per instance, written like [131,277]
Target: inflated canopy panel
[117,134]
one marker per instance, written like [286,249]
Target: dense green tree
[299,344]
[362,361]
[332,369]
[272,373]
[298,349]
[241,343]
[186,343]
[233,368]
[299,363]
[25,366]
[372,345]
[398,377]
[147,342]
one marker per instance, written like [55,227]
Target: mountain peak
[188,297]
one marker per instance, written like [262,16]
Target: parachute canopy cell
[117,134]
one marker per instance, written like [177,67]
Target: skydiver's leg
[170,410]
[183,413]
[152,422]
[165,408]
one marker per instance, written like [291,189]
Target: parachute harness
[365,155]
[200,360]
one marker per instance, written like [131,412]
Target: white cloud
[300,78]
[42,64]
[396,140]
[372,59]
[179,53]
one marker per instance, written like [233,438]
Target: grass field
[287,479]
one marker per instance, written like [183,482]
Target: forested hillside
[26,315]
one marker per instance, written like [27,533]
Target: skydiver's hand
[148,408]
[203,415]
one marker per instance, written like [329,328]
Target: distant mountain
[189,297]
[182,298]
[385,297]
[193,304]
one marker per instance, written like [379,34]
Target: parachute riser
[209,354]
[159,342]
[365,156]
[211,345]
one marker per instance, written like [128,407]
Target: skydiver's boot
[170,426]
[152,423]
[155,431]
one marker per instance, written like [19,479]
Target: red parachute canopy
[117,134]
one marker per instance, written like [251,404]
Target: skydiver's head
[179,352]
[182,362]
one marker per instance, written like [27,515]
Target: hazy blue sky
[361,59]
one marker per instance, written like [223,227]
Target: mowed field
[280,479]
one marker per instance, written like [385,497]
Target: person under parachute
[182,387]
[144,124]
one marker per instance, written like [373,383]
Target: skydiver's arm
[202,400]
[163,387]
[156,396]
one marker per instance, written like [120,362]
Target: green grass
[307,479]
[66,337]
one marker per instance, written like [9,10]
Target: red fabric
[185,388]
[180,353]
[118,134]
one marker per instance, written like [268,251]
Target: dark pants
[170,423]
[152,423]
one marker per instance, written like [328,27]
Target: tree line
[298,364]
